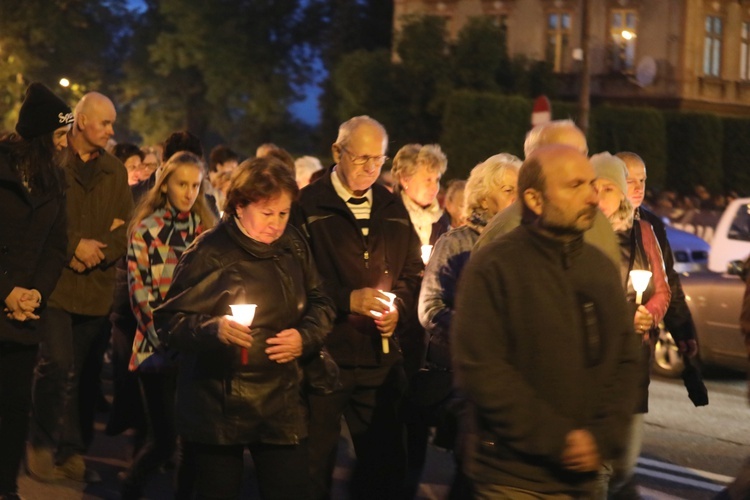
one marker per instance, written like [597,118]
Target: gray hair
[409,158]
[349,126]
[546,133]
[305,166]
[486,177]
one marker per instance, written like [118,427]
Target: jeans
[66,381]
[16,372]
[616,474]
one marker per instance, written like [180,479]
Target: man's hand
[231,332]
[286,346]
[688,348]
[115,224]
[643,322]
[581,453]
[90,252]
[366,300]
[387,323]
[76,265]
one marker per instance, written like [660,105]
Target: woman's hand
[231,332]
[643,321]
[286,346]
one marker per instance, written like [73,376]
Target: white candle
[639,278]
[243,313]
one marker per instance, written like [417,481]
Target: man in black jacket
[543,343]
[364,245]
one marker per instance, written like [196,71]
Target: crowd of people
[257,304]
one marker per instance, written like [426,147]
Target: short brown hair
[259,179]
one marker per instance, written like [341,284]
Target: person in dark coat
[240,383]
[364,244]
[33,241]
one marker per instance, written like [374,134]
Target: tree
[225,70]
[81,40]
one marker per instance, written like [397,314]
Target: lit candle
[389,303]
[243,314]
[639,278]
[426,252]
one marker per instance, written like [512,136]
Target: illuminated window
[745,52]
[712,46]
[623,29]
[558,38]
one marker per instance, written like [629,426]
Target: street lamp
[64,82]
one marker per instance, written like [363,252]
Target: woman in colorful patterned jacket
[166,221]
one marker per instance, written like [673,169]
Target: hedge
[694,151]
[477,125]
[736,155]
[640,130]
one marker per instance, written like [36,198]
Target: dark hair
[530,176]
[259,179]
[125,150]
[37,161]
[221,154]
[181,141]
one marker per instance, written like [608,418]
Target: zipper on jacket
[366,256]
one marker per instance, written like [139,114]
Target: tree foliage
[81,40]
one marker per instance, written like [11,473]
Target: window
[623,30]
[745,52]
[558,38]
[712,46]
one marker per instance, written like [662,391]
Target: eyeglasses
[364,159]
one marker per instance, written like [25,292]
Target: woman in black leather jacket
[242,386]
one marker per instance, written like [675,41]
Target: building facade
[678,54]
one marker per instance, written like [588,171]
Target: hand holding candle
[243,314]
[389,302]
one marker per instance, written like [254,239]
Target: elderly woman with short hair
[416,172]
[491,188]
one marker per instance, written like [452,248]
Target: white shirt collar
[344,193]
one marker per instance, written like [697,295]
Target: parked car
[690,252]
[715,301]
[731,239]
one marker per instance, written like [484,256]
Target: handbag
[321,374]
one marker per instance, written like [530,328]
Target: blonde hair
[156,198]
[485,178]
[548,133]
[409,158]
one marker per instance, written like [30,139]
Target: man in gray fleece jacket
[544,347]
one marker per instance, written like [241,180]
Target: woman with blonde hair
[166,221]
[639,250]
[491,188]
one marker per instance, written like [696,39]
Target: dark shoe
[40,463]
[75,468]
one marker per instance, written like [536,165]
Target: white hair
[485,179]
[547,133]
[305,166]
[349,126]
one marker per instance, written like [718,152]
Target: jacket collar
[256,248]
[327,197]
[564,252]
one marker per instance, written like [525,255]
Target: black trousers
[281,470]
[370,401]
[16,373]
[67,381]
[158,393]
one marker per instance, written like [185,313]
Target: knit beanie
[611,168]
[42,112]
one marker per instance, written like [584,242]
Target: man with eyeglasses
[364,244]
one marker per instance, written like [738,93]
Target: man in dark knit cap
[99,206]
